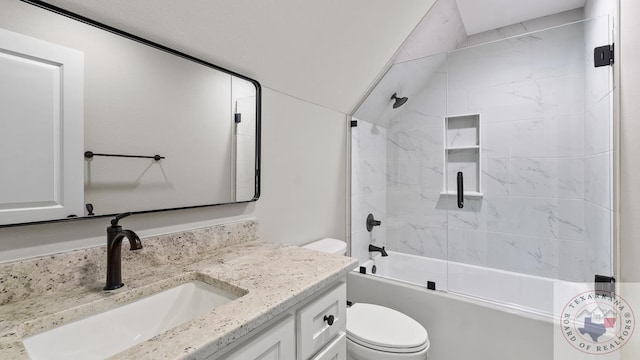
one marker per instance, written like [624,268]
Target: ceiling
[324,51]
[483,15]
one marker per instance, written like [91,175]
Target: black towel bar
[91,154]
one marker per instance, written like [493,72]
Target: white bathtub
[513,321]
[515,291]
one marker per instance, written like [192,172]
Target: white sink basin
[106,334]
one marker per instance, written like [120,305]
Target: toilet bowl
[376,332]
[381,333]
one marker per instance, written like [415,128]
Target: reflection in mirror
[137,99]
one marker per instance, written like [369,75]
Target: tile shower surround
[368,187]
[546,155]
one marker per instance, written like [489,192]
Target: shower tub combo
[497,154]
[459,325]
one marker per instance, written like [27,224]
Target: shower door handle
[460,191]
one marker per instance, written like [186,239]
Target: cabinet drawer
[314,331]
[275,343]
[337,350]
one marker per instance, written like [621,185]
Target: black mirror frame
[152,44]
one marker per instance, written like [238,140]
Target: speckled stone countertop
[42,293]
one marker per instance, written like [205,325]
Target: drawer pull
[329,319]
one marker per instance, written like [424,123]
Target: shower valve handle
[371,222]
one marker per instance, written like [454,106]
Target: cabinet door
[275,343]
[321,320]
[337,350]
[41,130]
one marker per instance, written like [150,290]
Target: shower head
[399,101]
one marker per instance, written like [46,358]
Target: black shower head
[399,101]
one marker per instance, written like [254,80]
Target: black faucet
[380,249]
[115,235]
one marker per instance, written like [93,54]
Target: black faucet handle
[115,220]
[371,222]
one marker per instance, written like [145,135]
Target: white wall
[309,49]
[629,52]
[303,189]
[303,194]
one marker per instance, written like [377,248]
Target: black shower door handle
[460,191]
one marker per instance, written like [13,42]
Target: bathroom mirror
[153,128]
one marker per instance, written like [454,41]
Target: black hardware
[237,118]
[431,285]
[374,269]
[460,191]
[363,269]
[605,285]
[72,216]
[603,55]
[399,101]
[115,235]
[91,154]
[371,222]
[381,250]
[329,319]
[349,303]
[89,209]
[354,123]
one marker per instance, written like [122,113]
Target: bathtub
[483,314]
[516,291]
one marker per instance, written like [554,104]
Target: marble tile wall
[417,217]
[440,31]
[368,187]
[546,146]
[524,27]
[529,92]
[542,212]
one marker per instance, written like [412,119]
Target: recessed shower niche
[462,154]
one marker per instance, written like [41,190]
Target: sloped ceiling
[324,51]
[479,16]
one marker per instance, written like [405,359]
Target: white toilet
[376,332]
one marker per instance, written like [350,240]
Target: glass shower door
[528,126]
[417,221]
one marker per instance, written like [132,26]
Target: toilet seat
[384,329]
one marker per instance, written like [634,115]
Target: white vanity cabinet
[314,330]
[321,321]
[275,343]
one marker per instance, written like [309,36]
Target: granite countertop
[43,293]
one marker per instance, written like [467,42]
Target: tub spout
[381,250]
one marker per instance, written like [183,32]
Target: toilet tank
[328,245]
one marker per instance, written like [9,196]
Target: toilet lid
[385,329]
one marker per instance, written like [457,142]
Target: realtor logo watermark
[597,323]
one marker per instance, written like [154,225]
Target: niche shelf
[462,153]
